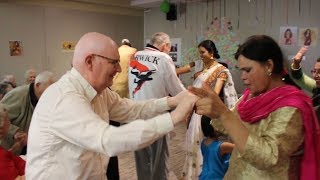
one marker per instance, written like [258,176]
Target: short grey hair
[160,38]
[4,88]
[8,78]
[44,77]
[26,74]
[3,114]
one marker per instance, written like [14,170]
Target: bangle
[211,122]
[295,69]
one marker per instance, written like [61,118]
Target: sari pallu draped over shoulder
[258,108]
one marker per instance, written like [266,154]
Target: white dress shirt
[70,136]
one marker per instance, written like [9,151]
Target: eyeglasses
[315,72]
[114,62]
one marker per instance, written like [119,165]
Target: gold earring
[211,57]
[269,72]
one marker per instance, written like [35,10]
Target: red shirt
[11,165]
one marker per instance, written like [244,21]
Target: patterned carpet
[127,164]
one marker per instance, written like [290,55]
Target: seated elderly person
[11,166]
[4,89]
[30,76]
[20,103]
[10,79]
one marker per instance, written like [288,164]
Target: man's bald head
[96,58]
[94,43]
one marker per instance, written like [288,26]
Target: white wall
[19,23]
[42,30]
[254,17]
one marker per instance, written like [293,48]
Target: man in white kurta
[152,75]
[70,137]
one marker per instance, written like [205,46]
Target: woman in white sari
[218,77]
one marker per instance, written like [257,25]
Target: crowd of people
[117,99]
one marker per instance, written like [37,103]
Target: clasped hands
[203,100]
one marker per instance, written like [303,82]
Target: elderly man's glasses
[315,72]
[114,62]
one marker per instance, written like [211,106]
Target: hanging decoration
[238,22]
[309,8]
[222,34]
[182,8]
[220,9]
[207,13]
[165,6]
[299,7]
[257,12]
[265,11]
[287,12]
[212,11]
[271,9]
[224,8]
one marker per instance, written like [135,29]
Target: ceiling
[124,7]
[129,3]
[123,3]
[135,3]
[145,3]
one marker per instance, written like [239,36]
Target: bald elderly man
[70,136]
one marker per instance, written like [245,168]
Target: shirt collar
[151,47]
[89,91]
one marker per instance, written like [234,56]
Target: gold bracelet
[295,68]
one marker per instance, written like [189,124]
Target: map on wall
[220,31]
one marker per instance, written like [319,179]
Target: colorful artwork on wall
[308,36]
[15,48]
[68,46]
[288,35]
[220,31]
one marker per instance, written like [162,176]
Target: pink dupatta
[258,108]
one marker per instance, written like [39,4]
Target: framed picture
[15,48]
[308,36]
[68,46]
[288,35]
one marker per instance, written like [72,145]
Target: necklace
[206,68]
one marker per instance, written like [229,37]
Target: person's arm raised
[296,60]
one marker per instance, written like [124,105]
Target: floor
[127,164]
